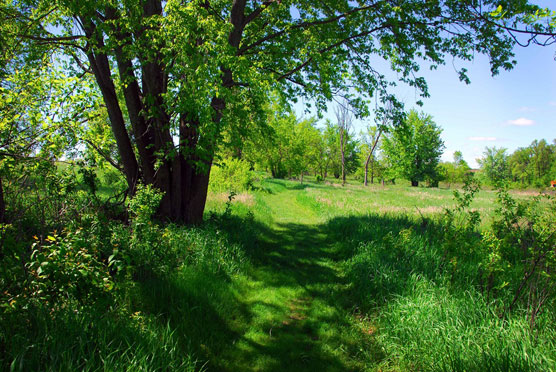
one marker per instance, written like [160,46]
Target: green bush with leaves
[521,248]
[231,175]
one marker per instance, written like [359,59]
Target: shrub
[231,175]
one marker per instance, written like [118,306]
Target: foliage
[533,165]
[456,171]
[231,175]
[494,165]
[414,148]
[79,289]
[289,147]
[199,73]
[522,259]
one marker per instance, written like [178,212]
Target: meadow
[288,276]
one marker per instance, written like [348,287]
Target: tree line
[533,165]
[397,146]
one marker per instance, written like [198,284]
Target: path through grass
[294,292]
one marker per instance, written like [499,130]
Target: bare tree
[344,123]
[373,135]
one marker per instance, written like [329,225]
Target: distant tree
[286,146]
[387,116]
[455,171]
[520,166]
[313,147]
[370,143]
[414,148]
[542,158]
[344,124]
[494,165]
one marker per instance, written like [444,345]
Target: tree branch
[305,25]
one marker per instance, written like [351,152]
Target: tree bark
[189,186]
[2,203]
[101,70]
[367,169]
[371,159]
[372,171]
[142,132]
[343,156]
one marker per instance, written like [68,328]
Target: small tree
[494,165]
[386,118]
[455,171]
[370,144]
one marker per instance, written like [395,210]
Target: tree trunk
[414,183]
[101,69]
[2,203]
[343,156]
[372,171]
[371,159]
[367,167]
[187,182]
[142,132]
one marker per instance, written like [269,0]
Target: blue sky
[509,110]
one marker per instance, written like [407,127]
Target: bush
[231,175]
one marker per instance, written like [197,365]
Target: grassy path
[294,293]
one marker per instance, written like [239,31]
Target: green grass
[297,277]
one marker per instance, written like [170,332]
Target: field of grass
[350,279]
[295,277]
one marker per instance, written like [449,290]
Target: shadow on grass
[294,308]
[312,328]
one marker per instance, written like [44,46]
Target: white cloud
[527,109]
[521,122]
[482,139]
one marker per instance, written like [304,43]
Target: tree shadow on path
[300,316]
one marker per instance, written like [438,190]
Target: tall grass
[429,315]
[288,276]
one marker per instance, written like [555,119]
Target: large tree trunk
[179,173]
[189,182]
[101,69]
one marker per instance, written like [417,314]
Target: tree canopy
[414,148]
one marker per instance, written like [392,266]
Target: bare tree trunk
[371,159]
[344,124]
[372,171]
[367,168]
[343,156]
